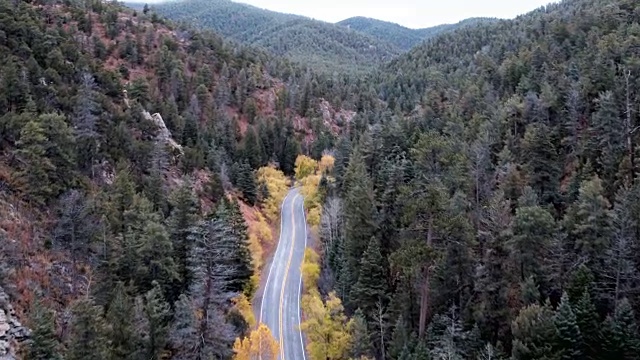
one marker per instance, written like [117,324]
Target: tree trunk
[629,129]
[425,290]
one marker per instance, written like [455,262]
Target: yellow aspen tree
[243,306]
[277,186]
[326,327]
[259,345]
[310,269]
[305,166]
[326,164]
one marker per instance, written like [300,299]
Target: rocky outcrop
[12,332]
[163,132]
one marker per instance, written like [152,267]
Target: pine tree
[359,216]
[370,287]
[86,339]
[157,314]
[183,334]
[589,325]
[180,223]
[534,229]
[154,259]
[608,128]
[214,268]
[534,334]
[400,339]
[44,343]
[120,330]
[493,276]
[246,182]
[76,225]
[542,163]
[569,338]
[36,177]
[361,339]
[85,122]
[343,152]
[589,224]
[229,211]
[620,333]
[581,282]
[289,154]
[253,149]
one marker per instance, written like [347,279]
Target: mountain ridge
[401,36]
[314,43]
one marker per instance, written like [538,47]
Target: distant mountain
[400,36]
[317,44]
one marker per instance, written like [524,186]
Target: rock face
[11,330]
[163,132]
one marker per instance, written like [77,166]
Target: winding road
[280,306]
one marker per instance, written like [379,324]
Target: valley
[210,180]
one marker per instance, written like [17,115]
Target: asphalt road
[280,307]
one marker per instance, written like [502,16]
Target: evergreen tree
[44,343]
[180,223]
[253,149]
[620,333]
[608,130]
[569,338]
[182,335]
[370,287]
[120,330]
[157,314]
[85,122]
[38,176]
[155,262]
[589,325]
[534,334]
[289,154]
[534,230]
[542,163]
[246,182]
[589,224]
[86,339]
[229,211]
[493,278]
[76,225]
[361,339]
[359,216]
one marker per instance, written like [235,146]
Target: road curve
[280,306]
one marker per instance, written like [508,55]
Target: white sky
[410,13]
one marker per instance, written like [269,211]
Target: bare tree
[331,222]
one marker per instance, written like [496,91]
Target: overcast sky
[410,13]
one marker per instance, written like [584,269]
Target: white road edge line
[266,286]
[304,217]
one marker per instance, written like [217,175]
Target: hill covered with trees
[319,45]
[498,193]
[400,36]
[474,198]
[132,208]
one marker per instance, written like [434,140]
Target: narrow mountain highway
[280,307]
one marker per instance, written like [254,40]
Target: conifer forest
[471,190]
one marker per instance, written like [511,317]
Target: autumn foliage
[277,186]
[260,344]
[309,173]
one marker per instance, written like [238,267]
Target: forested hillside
[316,44]
[400,36]
[127,235]
[475,198]
[498,195]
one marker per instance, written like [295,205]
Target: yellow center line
[286,274]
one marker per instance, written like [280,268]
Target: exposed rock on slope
[12,332]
